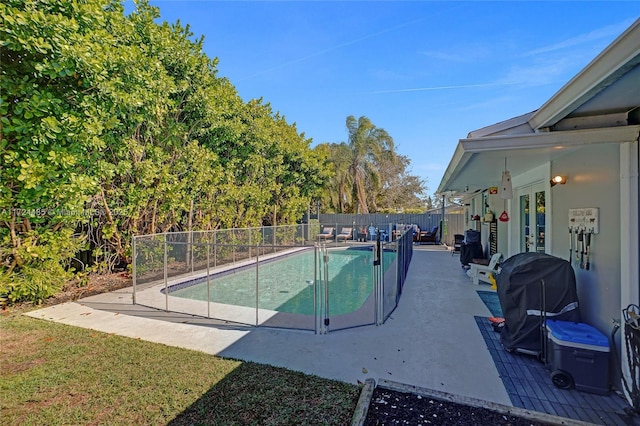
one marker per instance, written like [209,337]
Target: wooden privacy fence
[453,223]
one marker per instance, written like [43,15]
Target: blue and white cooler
[578,355]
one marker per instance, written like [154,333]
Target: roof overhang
[478,163]
[614,71]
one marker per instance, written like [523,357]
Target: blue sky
[428,72]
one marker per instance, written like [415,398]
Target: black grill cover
[520,294]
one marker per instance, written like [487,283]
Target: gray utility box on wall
[578,355]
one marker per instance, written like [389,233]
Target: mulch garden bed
[391,407]
[97,284]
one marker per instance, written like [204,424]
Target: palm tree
[341,182]
[367,144]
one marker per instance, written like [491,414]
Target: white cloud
[489,104]
[539,74]
[388,74]
[430,167]
[445,56]
[447,87]
[469,52]
[605,33]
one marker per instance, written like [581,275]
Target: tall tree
[342,180]
[367,143]
[50,139]
[115,114]
[367,174]
[399,188]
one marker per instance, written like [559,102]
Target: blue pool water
[286,285]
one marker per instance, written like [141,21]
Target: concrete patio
[432,340]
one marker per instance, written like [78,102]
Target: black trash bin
[471,247]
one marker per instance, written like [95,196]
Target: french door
[532,214]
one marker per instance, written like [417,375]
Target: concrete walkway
[431,340]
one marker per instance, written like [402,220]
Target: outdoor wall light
[558,180]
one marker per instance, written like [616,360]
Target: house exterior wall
[593,180]
[497,205]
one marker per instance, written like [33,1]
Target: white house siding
[593,180]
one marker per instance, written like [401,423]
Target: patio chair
[416,234]
[478,272]
[429,237]
[372,233]
[345,234]
[326,234]
[458,239]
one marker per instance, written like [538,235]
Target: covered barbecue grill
[532,286]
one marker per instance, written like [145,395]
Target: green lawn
[55,374]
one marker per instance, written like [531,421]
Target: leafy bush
[43,260]
[120,126]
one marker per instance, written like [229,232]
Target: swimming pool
[286,284]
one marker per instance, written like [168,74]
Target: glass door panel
[525,240]
[540,222]
[532,219]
